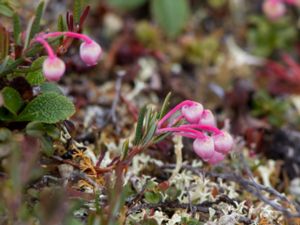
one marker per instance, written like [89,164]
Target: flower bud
[216,158]
[90,53]
[192,113]
[53,68]
[274,9]
[223,142]
[207,118]
[204,147]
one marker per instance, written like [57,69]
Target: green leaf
[50,87]
[49,107]
[139,127]
[36,76]
[17,28]
[152,197]
[165,106]
[77,10]
[171,16]
[38,129]
[61,26]
[5,10]
[34,25]
[5,115]
[12,100]
[126,5]
[150,134]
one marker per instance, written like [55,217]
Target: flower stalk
[53,67]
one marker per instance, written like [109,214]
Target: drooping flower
[207,118]
[204,147]
[90,53]
[223,142]
[192,113]
[53,68]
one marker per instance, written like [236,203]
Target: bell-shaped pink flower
[192,113]
[90,53]
[274,9]
[208,118]
[216,158]
[53,68]
[223,142]
[204,147]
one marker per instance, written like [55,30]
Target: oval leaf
[12,100]
[49,107]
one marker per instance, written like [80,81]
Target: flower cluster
[210,143]
[54,67]
[275,9]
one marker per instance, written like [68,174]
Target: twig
[249,185]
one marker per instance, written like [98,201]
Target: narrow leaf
[17,28]
[5,10]
[150,134]
[61,26]
[35,26]
[139,127]
[78,6]
[165,106]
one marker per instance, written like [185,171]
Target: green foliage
[17,28]
[139,127]
[35,75]
[34,26]
[49,107]
[12,100]
[126,5]
[77,10]
[171,17]
[267,36]
[61,25]
[190,221]
[165,106]
[6,9]
[273,108]
[153,197]
[50,87]
[46,133]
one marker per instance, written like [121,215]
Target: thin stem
[69,34]
[183,130]
[202,127]
[46,45]
[174,110]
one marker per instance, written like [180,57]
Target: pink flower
[192,113]
[204,147]
[207,118]
[223,142]
[216,158]
[90,53]
[274,9]
[53,68]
